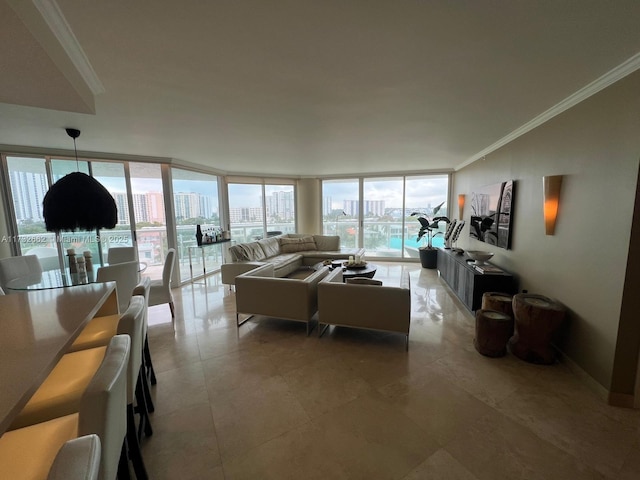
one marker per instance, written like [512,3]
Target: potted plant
[429,254]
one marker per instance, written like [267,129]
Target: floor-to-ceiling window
[341,210]
[375,212]
[196,202]
[422,195]
[382,214]
[28,185]
[148,210]
[29,182]
[260,210]
[280,209]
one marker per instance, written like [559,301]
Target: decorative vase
[429,257]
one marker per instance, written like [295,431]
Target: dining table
[38,327]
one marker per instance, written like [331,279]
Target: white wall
[596,146]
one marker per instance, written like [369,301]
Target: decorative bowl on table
[479,256]
[355,265]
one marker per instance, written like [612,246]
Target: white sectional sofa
[287,253]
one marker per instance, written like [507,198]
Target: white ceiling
[309,87]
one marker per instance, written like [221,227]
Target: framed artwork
[491,214]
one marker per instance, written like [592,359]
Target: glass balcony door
[148,212]
[196,202]
[383,207]
[260,210]
[341,210]
[375,213]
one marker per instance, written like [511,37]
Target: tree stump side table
[493,330]
[500,302]
[537,321]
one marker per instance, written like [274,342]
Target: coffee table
[367,271]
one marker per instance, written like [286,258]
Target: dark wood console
[468,283]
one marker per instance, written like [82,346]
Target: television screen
[491,214]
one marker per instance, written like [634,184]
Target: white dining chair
[12,268]
[47,256]
[160,290]
[78,459]
[121,255]
[29,452]
[126,277]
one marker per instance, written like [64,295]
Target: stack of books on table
[488,269]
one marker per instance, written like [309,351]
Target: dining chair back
[30,452]
[132,324]
[160,291]
[103,407]
[12,268]
[121,255]
[126,277]
[78,459]
[47,256]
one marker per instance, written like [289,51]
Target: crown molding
[612,76]
[54,18]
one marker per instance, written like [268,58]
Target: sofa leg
[238,322]
[322,330]
[309,330]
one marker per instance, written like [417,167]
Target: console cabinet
[469,284]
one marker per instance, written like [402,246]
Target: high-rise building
[28,191]
[187,205]
[280,205]
[327,208]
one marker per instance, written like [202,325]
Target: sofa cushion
[292,245]
[238,254]
[270,246]
[247,252]
[254,251]
[327,242]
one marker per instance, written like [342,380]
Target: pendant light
[78,201]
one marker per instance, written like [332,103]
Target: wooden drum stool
[537,321]
[498,301]
[493,330]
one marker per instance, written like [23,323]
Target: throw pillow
[293,245]
[327,243]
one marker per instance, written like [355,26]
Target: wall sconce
[461,206]
[551,189]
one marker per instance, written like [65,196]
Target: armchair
[364,305]
[258,292]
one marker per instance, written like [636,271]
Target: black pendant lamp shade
[78,202]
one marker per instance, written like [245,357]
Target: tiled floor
[268,402]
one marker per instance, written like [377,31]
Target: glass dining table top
[51,279]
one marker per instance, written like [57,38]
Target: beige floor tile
[370,438]
[267,402]
[440,466]
[180,388]
[575,426]
[241,368]
[183,445]
[325,384]
[300,453]
[490,379]
[253,414]
[497,447]
[436,405]
[169,352]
